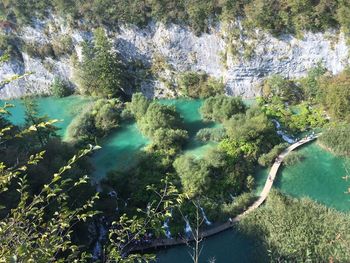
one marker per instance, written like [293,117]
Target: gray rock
[183,50]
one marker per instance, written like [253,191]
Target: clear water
[189,110]
[226,247]
[319,176]
[118,150]
[62,109]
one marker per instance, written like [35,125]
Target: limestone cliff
[254,57]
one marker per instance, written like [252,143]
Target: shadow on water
[228,246]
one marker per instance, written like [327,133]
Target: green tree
[101,72]
[221,108]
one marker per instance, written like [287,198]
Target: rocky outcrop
[183,51]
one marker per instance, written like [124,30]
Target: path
[157,243]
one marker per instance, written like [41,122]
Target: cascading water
[206,221]
[188,229]
[166,226]
[285,137]
[102,234]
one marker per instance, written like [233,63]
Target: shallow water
[319,176]
[228,246]
[62,109]
[189,110]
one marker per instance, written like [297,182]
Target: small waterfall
[166,226]
[188,229]
[206,221]
[281,133]
[102,234]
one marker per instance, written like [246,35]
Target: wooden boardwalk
[158,243]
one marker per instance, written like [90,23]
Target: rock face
[183,51]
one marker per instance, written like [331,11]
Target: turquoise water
[62,109]
[189,110]
[319,176]
[118,150]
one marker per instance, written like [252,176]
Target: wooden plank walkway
[158,243]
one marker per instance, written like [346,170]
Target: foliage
[97,120]
[63,46]
[101,72]
[60,88]
[43,220]
[44,133]
[282,88]
[161,123]
[194,175]
[197,175]
[211,134]
[267,159]
[275,16]
[39,50]
[336,138]
[238,205]
[293,16]
[299,230]
[221,108]
[310,83]
[199,85]
[253,131]
[335,94]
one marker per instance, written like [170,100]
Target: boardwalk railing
[157,243]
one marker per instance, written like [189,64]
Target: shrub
[211,134]
[62,46]
[336,138]
[267,159]
[60,88]
[39,50]
[221,108]
[238,205]
[199,85]
[97,120]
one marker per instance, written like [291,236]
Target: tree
[199,85]
[44,133]
[221,108]
[101,72]
[282,88]
[59,88]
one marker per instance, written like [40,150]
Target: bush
[39,50]
[60,88]
[221,108]
[335,94]
[267,159]
[237,206]
[282,88]
[199,85]
[96,121]
[211,134]
[62,46]
[295,230]
[336,138]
